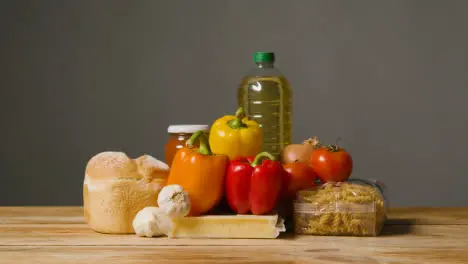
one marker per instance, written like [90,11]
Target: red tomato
[300,176]
[331,163]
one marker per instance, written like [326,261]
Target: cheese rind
[227,226]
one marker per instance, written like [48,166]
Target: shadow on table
[392,228]
[289,235]
[396,227]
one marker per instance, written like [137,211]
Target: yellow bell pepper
[236,136]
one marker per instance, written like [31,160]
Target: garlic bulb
[151,221]
[174,201]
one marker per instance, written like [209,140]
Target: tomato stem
[333,148]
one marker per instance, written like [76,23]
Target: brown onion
[299,152]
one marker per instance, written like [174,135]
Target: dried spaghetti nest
[353,208]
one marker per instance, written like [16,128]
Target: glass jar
[178,135]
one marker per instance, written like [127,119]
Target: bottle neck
[265,65]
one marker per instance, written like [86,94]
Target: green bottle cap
[264,57]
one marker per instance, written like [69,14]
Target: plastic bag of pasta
[352,208]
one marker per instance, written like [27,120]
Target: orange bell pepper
[200,173]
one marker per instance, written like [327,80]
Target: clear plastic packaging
[352,208]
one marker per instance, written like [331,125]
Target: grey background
[80,77]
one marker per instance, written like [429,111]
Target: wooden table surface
[59,235]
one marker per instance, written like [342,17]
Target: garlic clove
[174,201]
[151,222]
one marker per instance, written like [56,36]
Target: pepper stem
[237,123]
[260,156]
[204,148]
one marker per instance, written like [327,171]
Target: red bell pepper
[254,186]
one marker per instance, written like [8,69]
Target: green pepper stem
[237,123]
[204,148]
[260,156]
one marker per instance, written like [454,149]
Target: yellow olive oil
[266,96]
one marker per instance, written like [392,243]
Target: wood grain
[428,216]
[59,235]
[81,235]
[339,253]
[41,215]
[74,215]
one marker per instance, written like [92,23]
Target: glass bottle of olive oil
[266,97]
